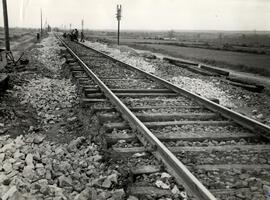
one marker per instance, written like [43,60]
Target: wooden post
[41,22]
[118,34]
[82,24]
[5,12]
[118,16]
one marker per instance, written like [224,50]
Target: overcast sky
[144,14]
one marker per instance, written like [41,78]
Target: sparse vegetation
[14,34]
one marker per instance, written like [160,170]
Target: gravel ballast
[32,167]
[254,105]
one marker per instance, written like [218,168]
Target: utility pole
[69,27]
[40,22]
[118,17]
[5,12]
[220,38]
[82,24]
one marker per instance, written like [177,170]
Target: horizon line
[155,30]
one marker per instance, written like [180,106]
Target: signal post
[118,17]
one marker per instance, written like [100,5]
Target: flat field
[14,34]
[242,51]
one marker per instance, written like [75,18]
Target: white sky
[145,14]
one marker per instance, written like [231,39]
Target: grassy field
[14,34]
[243,51]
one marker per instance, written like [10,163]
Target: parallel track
[157,89]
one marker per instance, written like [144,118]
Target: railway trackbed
[155,127]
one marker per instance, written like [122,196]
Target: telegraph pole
[118,17]
[5,12]
[82,24]
[40,22]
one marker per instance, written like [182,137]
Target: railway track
[157,127]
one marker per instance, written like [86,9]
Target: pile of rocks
[33,168]
[47,54]
[48,96]
[126,56]
[204,88]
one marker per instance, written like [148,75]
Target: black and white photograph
[134,100]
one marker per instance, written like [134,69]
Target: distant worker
[71,35]
[76,35]
[82,37]
[38,36]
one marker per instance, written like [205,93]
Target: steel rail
[251,124]
[182,175]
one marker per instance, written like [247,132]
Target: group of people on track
[74,35]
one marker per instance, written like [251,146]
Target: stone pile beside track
[34,168]
[48,97]
[46,54]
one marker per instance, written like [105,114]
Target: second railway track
[212,151]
